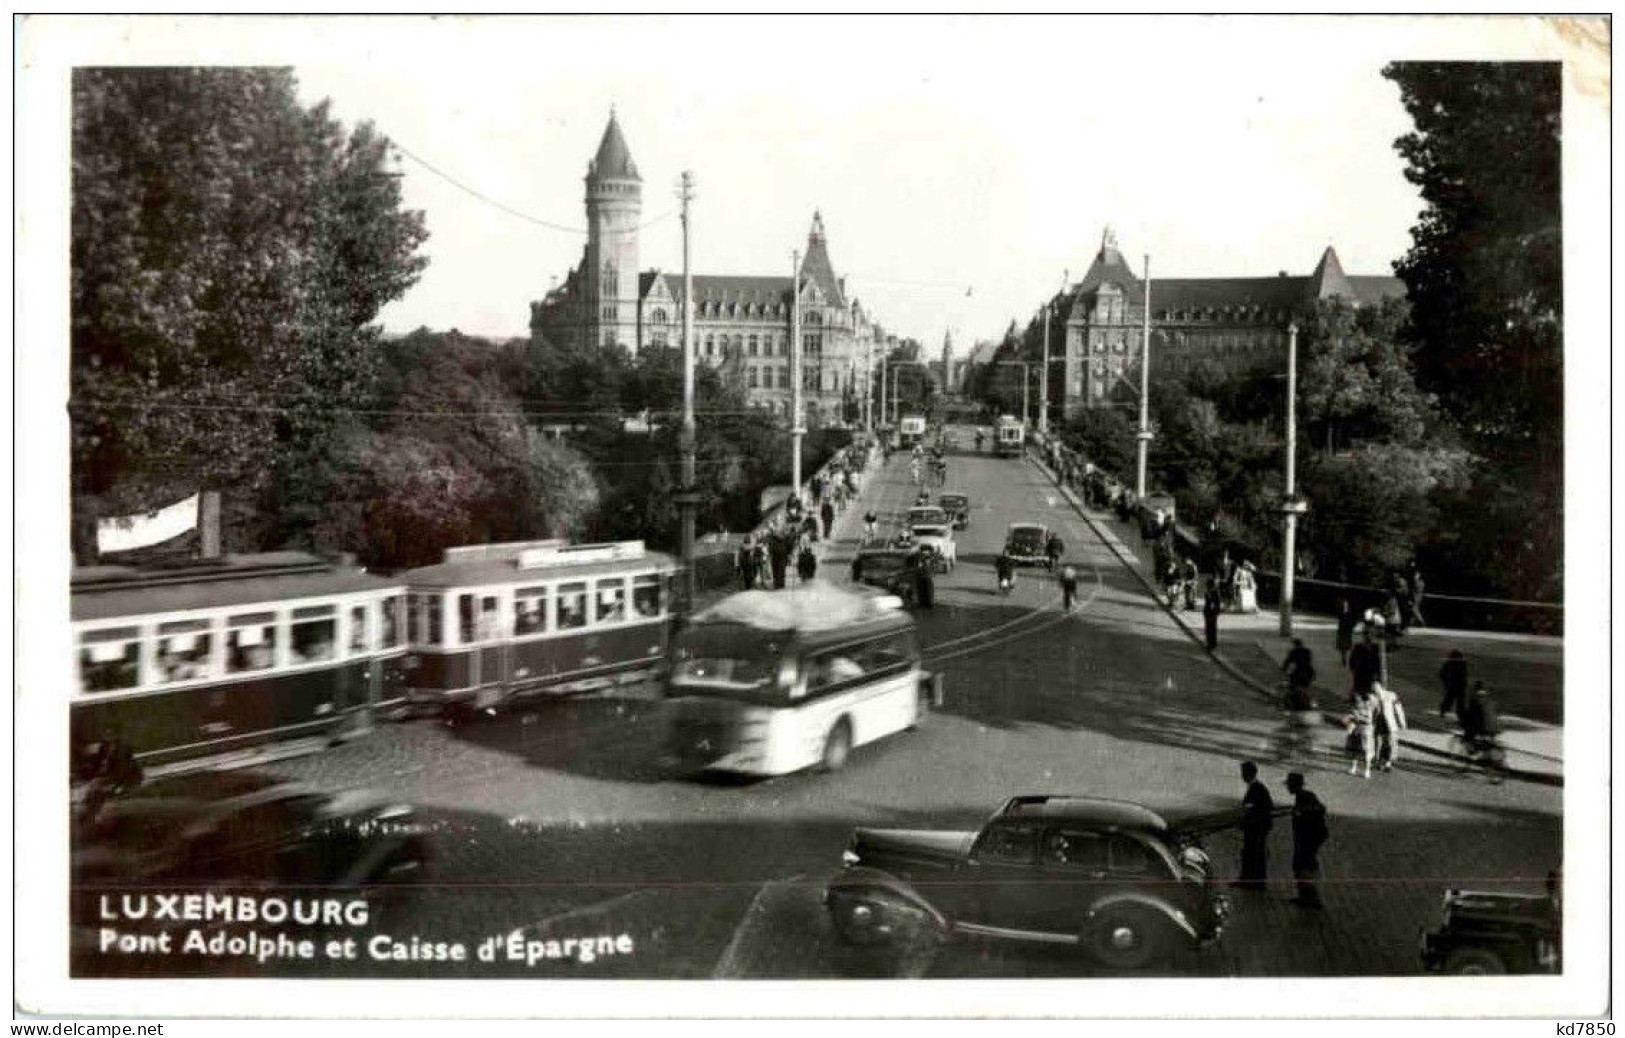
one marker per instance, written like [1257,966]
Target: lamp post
[1144,436]
[1291,507]
[688,495]
[796,429]
[1043,372]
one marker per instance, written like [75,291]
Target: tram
[239,654]
[911,430]
[1008,437]
[491,622]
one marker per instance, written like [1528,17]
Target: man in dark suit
[1309,832]
[1257,818]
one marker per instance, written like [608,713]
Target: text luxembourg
[227,908]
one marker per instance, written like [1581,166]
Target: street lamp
[1291,507]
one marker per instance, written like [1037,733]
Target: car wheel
[1125,939]
[1474,962]
[837,746]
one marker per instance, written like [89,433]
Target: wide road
[560,819]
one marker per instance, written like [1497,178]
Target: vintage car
[1487,933]
[1024,544]
[933,532]
[1113,878]
[957,506]
[893,570]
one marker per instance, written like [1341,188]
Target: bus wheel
[837,746]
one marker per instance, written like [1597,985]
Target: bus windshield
[729,660]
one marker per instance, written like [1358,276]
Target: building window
[739,346]
[753,345]
[753,378]
[609,313]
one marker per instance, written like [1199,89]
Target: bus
[1009,435]
[911,430]
[495,621]
[244,655]
[772,682]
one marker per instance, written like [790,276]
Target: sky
[963,166]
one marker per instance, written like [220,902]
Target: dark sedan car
[1487,933]
[1115,878]
[243,832]
[1024,544]
[957,506]
[893,570]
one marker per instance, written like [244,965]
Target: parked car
[1111,877]
[1024,543]
[243,831]
[958,508]
[1493,933]
[892,570]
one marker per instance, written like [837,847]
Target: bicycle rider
[869,528]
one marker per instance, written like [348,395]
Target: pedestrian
[806,563]
[827,513]
[817,489]
[746,563]
[1401,599]
[1392,621]
[1388,723]
[1227,575]
[1360,724]
[1053,547]
[1345,629]
[1299,668]
[1193,577]
[925,585]
[1069,587]
[1246,589]
[1309,834]
[778,557]
[1453,677]
[1417,586]
[1257,819]
[1005,568]
[1211,608]
[1365,663]
[1482,720]
[809,527]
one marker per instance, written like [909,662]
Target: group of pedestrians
[1310,832]
[787,544]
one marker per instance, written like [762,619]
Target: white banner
[126,533]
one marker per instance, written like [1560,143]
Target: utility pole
[1026,393]
[1043,375]
[795,373]
[1291,508]
[688,494]
[1144,436]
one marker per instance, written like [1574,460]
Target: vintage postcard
[1042,516]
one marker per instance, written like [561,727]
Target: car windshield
[947,501]
[1025,534]
[930,531]
[927,516]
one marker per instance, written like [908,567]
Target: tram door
[488,662]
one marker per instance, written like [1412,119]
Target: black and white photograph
[1064,516]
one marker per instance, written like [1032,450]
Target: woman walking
[1360,724]
[1388,722]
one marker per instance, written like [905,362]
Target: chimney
[209,524]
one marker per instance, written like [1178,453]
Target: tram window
[358,628]
[572,606]
[488,626]
[185,651]
[315,633]
[530,610]
[646,595]
[109,661]
[465,619]
[392,621]
[611,601]
[250,642]
[426,619]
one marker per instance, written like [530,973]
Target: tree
[1354,379]
[1484,276]
[230,250]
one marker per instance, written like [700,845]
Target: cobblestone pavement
[561,817]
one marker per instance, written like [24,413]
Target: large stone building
[1240,323]
[741,322]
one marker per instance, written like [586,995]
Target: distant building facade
[741,323]
[1240,323]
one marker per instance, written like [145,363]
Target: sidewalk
[1251,649]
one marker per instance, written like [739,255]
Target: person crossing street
[1309,834]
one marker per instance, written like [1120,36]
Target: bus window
[889,653]
[530,610]
[611,601]
[358,629]
[646,595]
[109,661]
[250,642]
[572,606]
[828,669]
[314,634]
[392,621]
[184,651]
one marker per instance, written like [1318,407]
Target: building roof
[816,267]
[614,158]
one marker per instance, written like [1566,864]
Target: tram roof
[107,592]
[507,568]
